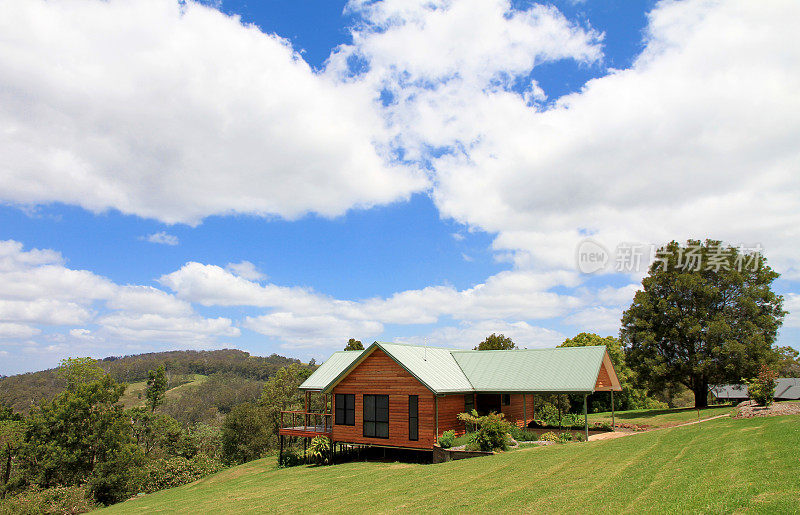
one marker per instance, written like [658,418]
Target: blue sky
[280,176]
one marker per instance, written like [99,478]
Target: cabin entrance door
[485,403]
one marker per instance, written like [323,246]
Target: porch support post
[612,411]
[524,411]
[436,403]
[586,416]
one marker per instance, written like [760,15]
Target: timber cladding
[379,374]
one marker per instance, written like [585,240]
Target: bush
[170,472]
[565,437]
[523,435]
[320,449]
[762,388]
[492,432]
[446,439]
[602,426]
[549,437]
[290,458]
[62,499]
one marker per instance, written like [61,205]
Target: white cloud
[596,319]
[162,238]
[791,303]
[298,330]
[469,334]
[245,270]
[37,289]
[522,294]
[18,331]
[175,111]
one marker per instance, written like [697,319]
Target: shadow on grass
[657,412]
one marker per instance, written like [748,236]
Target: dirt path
[619,434]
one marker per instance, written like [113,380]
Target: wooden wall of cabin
[379,374]
[514,412]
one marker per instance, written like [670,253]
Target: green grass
[724,465]
[134,393]
[660,417]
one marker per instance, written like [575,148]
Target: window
[506,399]
[345,409]
[469,403]
[413,417]
[376,416]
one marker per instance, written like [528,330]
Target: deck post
[586,416]
[612,411]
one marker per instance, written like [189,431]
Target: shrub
[565,437]
[548,414]
[291,458]
[446,439]
[320,449]
[176,471]
[60,499]
[492,432]
[762,388]
[602,426]
[523,435]
[549,437]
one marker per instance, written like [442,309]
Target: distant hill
[228,366]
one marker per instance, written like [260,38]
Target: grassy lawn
[660,418]
[132,399]
[724,465]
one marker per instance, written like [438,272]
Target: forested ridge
[22,391]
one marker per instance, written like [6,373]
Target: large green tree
[496,342]
[353,344]
[706,314]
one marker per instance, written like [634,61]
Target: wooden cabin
[405,396]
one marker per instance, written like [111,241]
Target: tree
[762,388]
[245,433]
[630,397]
[787,363]
[156,387]
[353,344]
[496,342]
[77,371]
[281,393]
[82,434]
[706,314]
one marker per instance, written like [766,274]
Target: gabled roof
[563,370]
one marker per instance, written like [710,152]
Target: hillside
[722,465]
[22,391]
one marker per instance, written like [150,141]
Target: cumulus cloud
[163,238]
[511,294]
[36,288]
[175,111]
[245,270]
[469,334]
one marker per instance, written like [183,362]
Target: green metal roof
[563,369]
[329,370]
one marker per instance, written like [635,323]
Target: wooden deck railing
[306,421]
